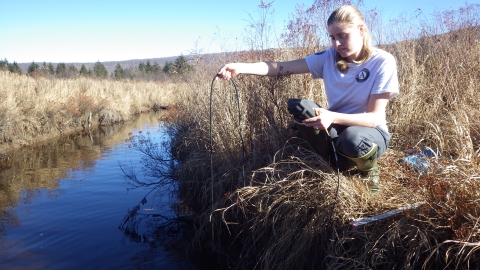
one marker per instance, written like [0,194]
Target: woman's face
[347,39]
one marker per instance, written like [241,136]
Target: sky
[88,31]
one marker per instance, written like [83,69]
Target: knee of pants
[353,143]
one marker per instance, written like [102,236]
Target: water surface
[61,204]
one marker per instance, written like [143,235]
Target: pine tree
[61,70]
[15,68]
[33,68]
[169,68]
[148,67]
[84,71]
[141,67]
[99,70]
[156,68]
[118,73]
[182,66]
[51,69]
[4,64]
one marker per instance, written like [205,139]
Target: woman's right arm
[263,68]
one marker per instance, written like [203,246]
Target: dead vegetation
[35,108]
[264,201]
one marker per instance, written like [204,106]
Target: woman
[359,81]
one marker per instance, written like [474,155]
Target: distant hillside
[109,65]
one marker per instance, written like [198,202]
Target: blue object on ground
[420,161]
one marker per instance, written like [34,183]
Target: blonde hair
[351,15]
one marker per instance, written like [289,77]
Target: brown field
[35,108]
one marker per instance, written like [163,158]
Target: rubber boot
[317,139]
[368,167]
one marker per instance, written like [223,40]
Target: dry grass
[263,200]
[32,109]
[268,203]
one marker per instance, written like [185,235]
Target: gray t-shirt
[349,92]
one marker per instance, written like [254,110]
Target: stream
[62,203]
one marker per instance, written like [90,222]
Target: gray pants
[356,141]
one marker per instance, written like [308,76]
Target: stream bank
[36,136]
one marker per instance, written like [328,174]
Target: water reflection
[43,165]
[62,201]
[163,230]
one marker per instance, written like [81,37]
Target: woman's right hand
[228,71]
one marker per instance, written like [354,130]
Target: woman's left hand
[322,121]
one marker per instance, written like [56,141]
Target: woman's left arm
[377,104]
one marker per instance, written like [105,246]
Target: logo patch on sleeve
[363,75]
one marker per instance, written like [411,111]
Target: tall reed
[34,108]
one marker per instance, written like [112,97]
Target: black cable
[211,138]
[239,120]
[211,155]
[338,184]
